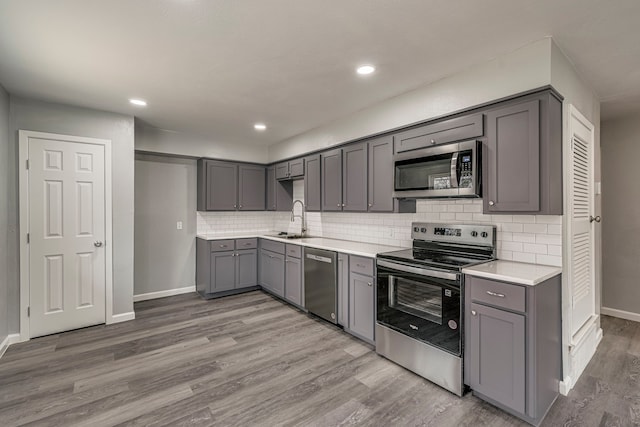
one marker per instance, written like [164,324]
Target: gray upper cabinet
[354,177]
[217,185]
[282,170]
[441,132]
[279,193]
[227,186]
[522,157]
[381,175]
[312,183]
[331,180]
[290,170]
[513,158]
[251,194]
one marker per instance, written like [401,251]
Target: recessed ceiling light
[260,126]
[138,102]
[365,69]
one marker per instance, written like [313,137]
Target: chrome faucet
[303,227]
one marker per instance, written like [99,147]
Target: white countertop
[344,246]
[514,272]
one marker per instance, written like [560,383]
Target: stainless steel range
[420,299]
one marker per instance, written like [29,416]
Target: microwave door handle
[454,170]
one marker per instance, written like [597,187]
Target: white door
[66,184]
[581,225]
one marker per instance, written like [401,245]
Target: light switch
[179,225]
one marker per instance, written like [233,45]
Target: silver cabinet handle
[433,141]
[370,204]
[247,244]
[369,284]
[97,243]
[240,206]
[338,205]
[343,205]
[594,218]
[223,246]
[360,265]
[234,206]
[495,294]
[473,312]
[491,203]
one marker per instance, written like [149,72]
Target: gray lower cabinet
[331,176]
[312,183]
[228,186]
[343,290]
[522,156]
[513,341]
[354,177]
[362,302]
[272,272]
[293,280]
[223,266]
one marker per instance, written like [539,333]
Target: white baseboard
[628,315]
[122,317]
[580,354]
[10,339]
[162,294]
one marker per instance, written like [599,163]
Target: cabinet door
[277,273]
[343,290]
[497,353]
[223,271]
[381,175]
[456,129]
[271,188]
[332,180]
[282,170]
[246,268]
[354,178]
[361,305]
[293,280]
[512,159]
[312,195]
[222,186]
[296,168]
[252,188]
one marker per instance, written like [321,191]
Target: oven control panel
[463,233]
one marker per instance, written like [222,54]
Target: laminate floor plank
[252,360]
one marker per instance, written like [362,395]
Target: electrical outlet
[389,233]
[179,225]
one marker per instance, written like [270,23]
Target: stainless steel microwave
[448,170]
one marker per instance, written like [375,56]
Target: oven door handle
[417,270]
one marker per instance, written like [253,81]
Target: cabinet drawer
[294,251]
[222,245]
[272,246]
[504,295]
[456,129]
[361,265]
[251,243]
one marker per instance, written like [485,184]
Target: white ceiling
[215,67]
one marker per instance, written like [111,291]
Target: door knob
[594,218]
[97,243]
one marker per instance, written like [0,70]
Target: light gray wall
[4,211]
[524,69]
[621,214]
[26,114]
[165,194]
[169,142]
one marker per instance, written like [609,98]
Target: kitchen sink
[288,236]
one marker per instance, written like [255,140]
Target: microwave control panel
[466,173]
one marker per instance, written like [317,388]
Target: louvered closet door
[581,230]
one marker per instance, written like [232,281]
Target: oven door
[421,303]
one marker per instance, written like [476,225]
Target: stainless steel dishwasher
[321,283]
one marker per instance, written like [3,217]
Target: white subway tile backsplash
[526,238]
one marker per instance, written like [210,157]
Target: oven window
[432,173]
[415,298]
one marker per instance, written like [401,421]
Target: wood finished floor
[252,360]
